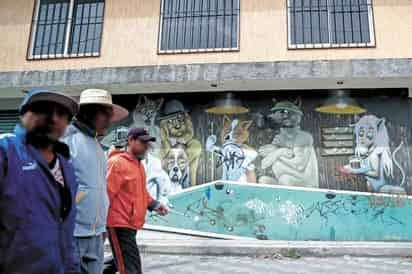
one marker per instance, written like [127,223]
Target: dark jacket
[36,213]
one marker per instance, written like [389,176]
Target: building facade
[301,93]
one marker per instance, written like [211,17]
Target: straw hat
[103,97]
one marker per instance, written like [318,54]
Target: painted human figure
[291,155]
[158,183]
[235,155]
[373,157]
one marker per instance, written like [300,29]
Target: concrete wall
[131,31]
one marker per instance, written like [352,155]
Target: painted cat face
[147,109]
[286,118]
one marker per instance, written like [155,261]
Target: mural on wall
[145,115]
[177,165]
[281,141]
[235,156]
[291,155]
[262,155]
[286,213]
[373,157]
[176,131]
[158,182]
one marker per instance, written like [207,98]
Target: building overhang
[277,76]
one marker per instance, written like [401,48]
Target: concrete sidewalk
[174,264]
[169,243]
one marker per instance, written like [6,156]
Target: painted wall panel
[287,213]
[287,163]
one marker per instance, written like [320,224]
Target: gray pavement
[168,264]
[164,253]
[175,244]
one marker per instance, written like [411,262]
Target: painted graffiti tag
[232,156]
[395,201]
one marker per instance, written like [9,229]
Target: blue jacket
[89,161]
[36,213]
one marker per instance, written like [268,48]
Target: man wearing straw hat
[96,113]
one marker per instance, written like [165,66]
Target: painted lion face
[176,125]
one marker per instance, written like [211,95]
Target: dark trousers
[125,250]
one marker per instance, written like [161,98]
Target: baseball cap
[37,95]
[140,133]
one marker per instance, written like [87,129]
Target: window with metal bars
[66,28]
[330,23]
[8,120]
[199,25]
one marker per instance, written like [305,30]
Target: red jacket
[126,186]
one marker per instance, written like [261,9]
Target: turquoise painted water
[286,213]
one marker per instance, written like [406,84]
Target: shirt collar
[84,128]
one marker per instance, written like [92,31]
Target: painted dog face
[176,164]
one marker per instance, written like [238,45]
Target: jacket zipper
[100,187]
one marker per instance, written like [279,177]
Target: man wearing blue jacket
[37,189]
[96,113]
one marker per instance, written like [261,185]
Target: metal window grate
[8,120]
[199,25]
[66,28]
[86,27]
[51,27]
[330,23]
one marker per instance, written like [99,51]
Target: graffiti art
[291,155]
[373,157]
[235,156]
[176,131]
[287,213]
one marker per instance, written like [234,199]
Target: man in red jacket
[129,199]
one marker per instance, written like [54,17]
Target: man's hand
[162,210]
